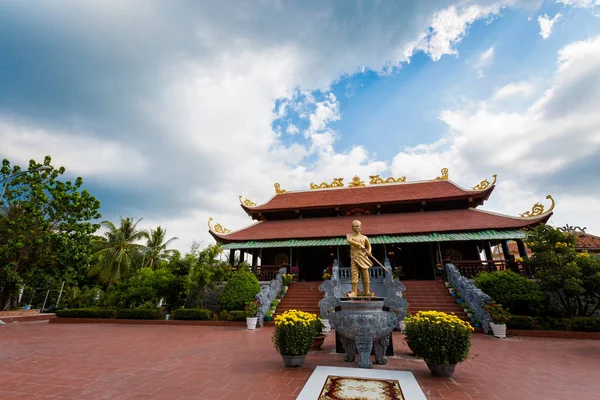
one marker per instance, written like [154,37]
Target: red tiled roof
[384,193]
[585,241]
[385,224]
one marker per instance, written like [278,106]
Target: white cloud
[484,60]
[80,153]
[216,71]
[546,24]
[538,143]
[292,129]
[514,89]
[580,3]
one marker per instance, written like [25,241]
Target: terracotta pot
[293,361]
[317,342]
[444,370]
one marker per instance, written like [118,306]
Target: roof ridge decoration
[278,189]
[218,228]
[538,209]
[337,182]
[444,176]
[377,180]
[572,229]
[247,202]
[356,182]
[484,184]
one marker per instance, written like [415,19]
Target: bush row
[186,314]
[577,324]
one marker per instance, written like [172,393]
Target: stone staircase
[431,296]
[303,296]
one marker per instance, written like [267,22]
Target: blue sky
[170,112]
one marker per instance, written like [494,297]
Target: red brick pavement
[55,361]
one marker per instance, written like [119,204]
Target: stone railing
[267,294]
[377,274]
[474,297]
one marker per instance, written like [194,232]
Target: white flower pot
[447,284]
[251,323]
[499,330]
[286,288]
[327,326]
[401,326]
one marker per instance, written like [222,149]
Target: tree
[574,277]
[156,250]
[115,254]
[45,229]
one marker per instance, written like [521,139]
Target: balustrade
[375,274]
[267,272]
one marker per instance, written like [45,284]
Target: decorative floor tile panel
[335,383]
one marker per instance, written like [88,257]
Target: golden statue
[360,250]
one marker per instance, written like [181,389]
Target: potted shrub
[293,336]
[287,280]
[319,336]
[269,315]
[442,340]
[499,317]
[294,271]
[251,310]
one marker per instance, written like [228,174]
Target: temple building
[415,225]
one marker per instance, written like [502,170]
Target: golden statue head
[356,226]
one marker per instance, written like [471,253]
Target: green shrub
[517,293]
[86,313]
[224,316]
[138,313]
[522,322]
[586,324]
[237,315]
[192,314]
[239,290]
[577,324]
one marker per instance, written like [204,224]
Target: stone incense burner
[363,325]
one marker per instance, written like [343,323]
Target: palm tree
[116,252]
[156,247]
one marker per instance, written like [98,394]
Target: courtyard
[112,361]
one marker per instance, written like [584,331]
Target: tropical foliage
[239,290]
[46,226]
[574,277]
[156,252]
[521,295]
[118,249]
[497,313]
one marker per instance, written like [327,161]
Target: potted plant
[319,336]
[294,271]
[287,280]
[251,310]
[443,340]
[269,315]
[499,317]
[293,336]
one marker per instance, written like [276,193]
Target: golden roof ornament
[278,189]
[247,202]
[538,209]
[356,182]
[444,176]
[484,184]
[377,180]
[337,182]
[217,228]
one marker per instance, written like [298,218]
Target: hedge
[192,314]
[237,315]
[138,313]
[577,324]
[86,313]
